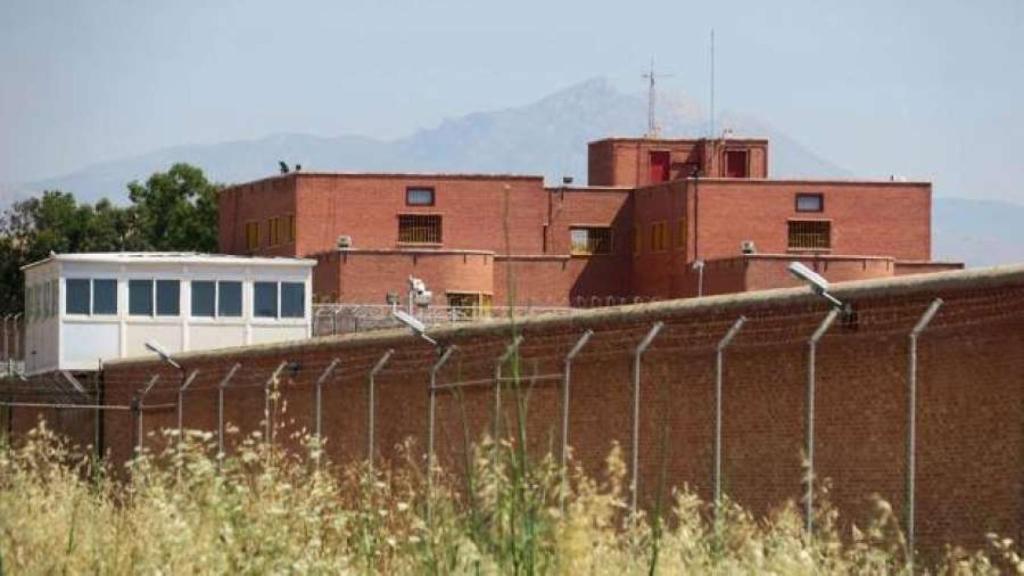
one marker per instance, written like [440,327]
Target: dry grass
[263,511]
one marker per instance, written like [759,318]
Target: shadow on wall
[609,276]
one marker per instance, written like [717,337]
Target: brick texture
[971,403]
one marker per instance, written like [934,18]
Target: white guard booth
[83,309]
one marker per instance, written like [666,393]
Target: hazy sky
[928,89]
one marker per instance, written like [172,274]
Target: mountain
[547,137]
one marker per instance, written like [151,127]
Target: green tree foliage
[176,210]
[173,210]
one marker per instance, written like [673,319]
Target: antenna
[711,118]
[652,125]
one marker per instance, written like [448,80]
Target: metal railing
[344,318]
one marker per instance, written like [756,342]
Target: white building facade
[84,309]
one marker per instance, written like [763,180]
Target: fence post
[318,411]
[812,350]
[17,341]
[220,408]
[181,401]
[139,408]
[7,356]
[371,427]
[566,382]
[431,419]
[511,349]
[637,356]
[268,421]
[922,323]
[716,479]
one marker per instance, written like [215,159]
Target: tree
[176,210]
[173,211]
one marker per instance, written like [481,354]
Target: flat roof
[390,175]
[632,139]
[171,258]
[792,182]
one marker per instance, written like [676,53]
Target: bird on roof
[283,166]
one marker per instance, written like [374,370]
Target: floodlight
[414,324]
[816,281]
[154,346]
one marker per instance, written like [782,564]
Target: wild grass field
[264,511]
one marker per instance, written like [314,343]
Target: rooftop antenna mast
[711,118]
[652,126]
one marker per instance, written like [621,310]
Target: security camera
[816,281]
[414,324]
[418,291]
[154,346]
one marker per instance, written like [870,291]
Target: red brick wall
[626,161]
[868,219]
[473,211]
[256,201]
[971,404]
[365,277]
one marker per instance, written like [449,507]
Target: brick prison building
[658,219]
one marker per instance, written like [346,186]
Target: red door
[659,167]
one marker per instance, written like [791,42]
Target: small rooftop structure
[84,309]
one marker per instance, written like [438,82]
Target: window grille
[419,228]
[810,235]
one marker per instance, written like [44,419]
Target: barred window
[590,240]
[810,235]
[419,228]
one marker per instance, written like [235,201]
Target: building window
[104,296]
[168,297]
[291,227]
[660,162]
[264,302]
[229,299]
[810,203]
[140,297]
[204,298]
[468,305]
[681,234]
[810,235]
[419,228]
[293,300]
[273,231]
[252,235]
[419,196]
[590,240]
[78,296]
[660,237]
[736,165]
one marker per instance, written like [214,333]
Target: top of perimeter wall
[749,302]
